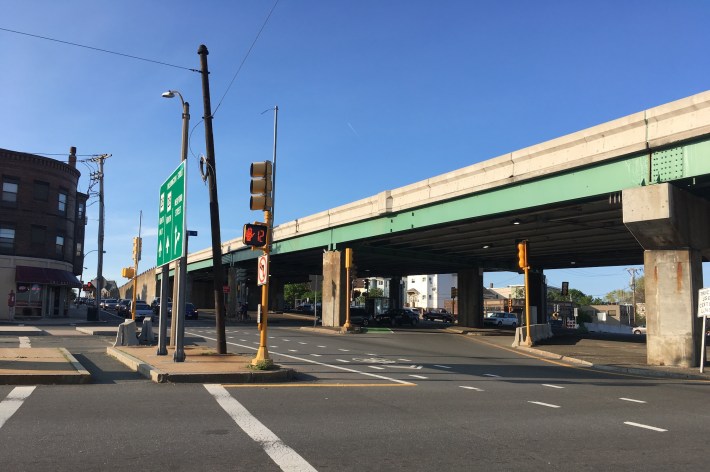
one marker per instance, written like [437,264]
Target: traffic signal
[88,287]
[261,186]
[254,235]
[128,272]
[523,254]
[348,258]
[137,245]
[454,292]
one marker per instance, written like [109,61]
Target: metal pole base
[262,357]
[179,355]
[162,351]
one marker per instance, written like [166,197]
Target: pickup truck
[439,314]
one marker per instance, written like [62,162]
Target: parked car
[123,308]
[190,311]
[142,310]
[397,316]
[501,319]
[439,314]
[155,304]
[639,329]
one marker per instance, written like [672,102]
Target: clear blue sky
[372,95]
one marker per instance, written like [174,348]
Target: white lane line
[303,359]
[299,342]
[316,355]
[344,350]
[418,376]
[322,347]
[442,366]
[25,342]
[492,375]
[631,400]
[549,405]
[293,350]
[471,388]
[552,386]
[287,340]
[370,354]
[285,457]
[13,402]
[244,340]
[343,361]
[376,367]
[645,426]
[404,360]
[274,346]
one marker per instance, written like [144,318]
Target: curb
[160,376]
[66,377]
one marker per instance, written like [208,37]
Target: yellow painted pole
[528,340]
[348,263]
[262,355]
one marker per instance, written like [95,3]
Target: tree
[372,293]
[293,292]
[576,296]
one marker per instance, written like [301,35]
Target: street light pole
[177,327]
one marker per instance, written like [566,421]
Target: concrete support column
[232,303]
[276,294]
[538,297]
[672,280]
[334,288]
[470,301]
[396,292]
[673,227]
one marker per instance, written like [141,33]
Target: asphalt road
[402,400]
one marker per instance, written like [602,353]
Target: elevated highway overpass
[630,191]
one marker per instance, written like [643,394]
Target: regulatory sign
[171,217]
[703,302]
[262,270]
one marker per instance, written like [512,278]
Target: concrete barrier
[147,336]
[608,328]
[126,334]
[538,332]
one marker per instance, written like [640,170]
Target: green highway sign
[171,217]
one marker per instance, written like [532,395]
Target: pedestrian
[11,305]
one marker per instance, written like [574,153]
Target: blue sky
[373,95]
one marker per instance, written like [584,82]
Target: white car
[142,310]
[639,329]
[501,319]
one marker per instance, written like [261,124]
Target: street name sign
[171,217]
[703,302]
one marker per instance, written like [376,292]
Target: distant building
[42,219]
[430,291]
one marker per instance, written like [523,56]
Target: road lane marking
[302,359]
[404,360]
[299,342]
[293,350]
[344,350]
[370,354]
[631,400]
[287,340]
[285,457]
[645,426]
[316,355]
[471,388]
[322,347]
[244,340]
[552,386]
[343,360]
[317,385]
[442,366]
[418,376]
[492,375]
[13,402]
[25,342]
[549,405]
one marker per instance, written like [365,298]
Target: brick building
[42,220]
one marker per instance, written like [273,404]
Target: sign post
[704,312]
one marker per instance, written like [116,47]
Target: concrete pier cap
[673,227]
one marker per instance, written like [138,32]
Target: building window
[78,250]
[39,235]
[10,186]
[380,282]
[80,212]
[7,238]
[62,203]
[429,297]
[41,190]
[429,279]
[423,297]
[414,281]
[60,245]
[423,279]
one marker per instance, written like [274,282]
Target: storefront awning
[43,275]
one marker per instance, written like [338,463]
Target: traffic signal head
[261,186]
[523,254]
[255,235]
[137,246]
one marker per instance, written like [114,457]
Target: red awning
[43,275]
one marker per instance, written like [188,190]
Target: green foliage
[372,293]
[263,365]
[294,292]
[574,295]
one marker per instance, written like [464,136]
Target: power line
[97,49]
[245,58]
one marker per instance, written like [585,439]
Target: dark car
[441,315]
[359,316]
[155,304]
[190,311]
[124,308]
[397,316]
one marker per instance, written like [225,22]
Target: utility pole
[99,176]
[217,275]
[632,315]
